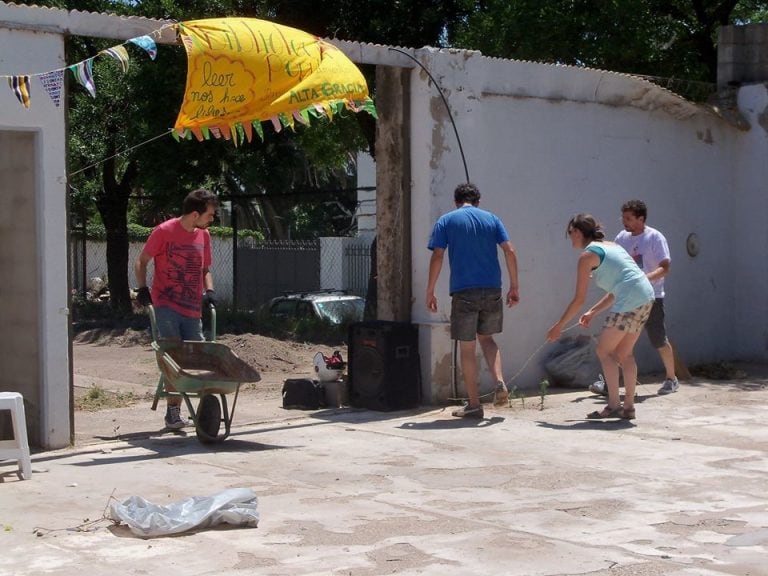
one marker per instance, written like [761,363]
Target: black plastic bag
[303,394]
[573,363]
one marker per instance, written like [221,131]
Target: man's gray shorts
[476,311]
[657,331]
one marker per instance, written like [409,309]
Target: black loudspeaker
[384,371]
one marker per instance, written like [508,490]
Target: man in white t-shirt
[649,249]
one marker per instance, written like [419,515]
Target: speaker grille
[369,371]
[384,372]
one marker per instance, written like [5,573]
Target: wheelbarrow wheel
[208,419]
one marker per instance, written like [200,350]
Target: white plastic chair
[18,448]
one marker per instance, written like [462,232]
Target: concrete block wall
[742,55]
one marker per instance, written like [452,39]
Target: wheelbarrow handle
[153,322]
[212,310]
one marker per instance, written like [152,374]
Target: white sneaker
[598,387]
[173,419]
[669,386]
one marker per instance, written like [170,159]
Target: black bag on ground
[303,394]
[573,363]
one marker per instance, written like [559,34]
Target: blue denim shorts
[476,311]
[171,324]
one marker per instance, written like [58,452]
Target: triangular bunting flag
[52,83]
[83,72]
[298,116]
[20,87]
[259,130]
[120,54]
[147,44]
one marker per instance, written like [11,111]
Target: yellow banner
[241,70]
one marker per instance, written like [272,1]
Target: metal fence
[249,273]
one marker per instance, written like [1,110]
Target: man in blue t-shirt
[471,236]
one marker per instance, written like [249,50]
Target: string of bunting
[53,80]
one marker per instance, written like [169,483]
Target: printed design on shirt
[638,258]
[183,275]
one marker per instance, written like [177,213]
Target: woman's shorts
[632,321]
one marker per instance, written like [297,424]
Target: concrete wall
[34,342]
[746,238]
[543,142]
[742,55]
[366,199]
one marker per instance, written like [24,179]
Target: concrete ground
[680,491]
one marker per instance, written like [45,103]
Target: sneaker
[598,387]
[468,411]
[173,419]
[500,395]
[670,385]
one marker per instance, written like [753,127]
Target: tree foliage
[666,38]
[120,149]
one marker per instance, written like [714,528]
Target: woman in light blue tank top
[629,295]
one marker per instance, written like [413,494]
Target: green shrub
[137,233]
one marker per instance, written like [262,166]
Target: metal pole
[234,256]
[84,236]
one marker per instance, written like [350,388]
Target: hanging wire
[448,108]
[454,375]
[121,152]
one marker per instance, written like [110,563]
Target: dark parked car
[334,306]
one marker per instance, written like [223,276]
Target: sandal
[628,414]
[607,412]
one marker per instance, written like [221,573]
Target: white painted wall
[544,142]
[745,242]
[43,52]
[366,199]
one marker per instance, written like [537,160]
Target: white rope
[521,368]
[115,155]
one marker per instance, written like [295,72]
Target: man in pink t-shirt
[182,282]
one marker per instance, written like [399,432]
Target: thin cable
[140,144]
[448,108]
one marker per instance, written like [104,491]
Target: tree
[140,105]
[114,149]
[668,38]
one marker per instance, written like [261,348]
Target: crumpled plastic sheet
[573,363]
[236,506]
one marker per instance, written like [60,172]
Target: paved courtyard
[528,491]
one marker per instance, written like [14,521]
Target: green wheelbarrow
[206,370]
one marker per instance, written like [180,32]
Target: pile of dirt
[261,352]
[271,355]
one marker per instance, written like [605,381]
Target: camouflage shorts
[632,321]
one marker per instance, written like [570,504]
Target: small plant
[543,385]
[513,393]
